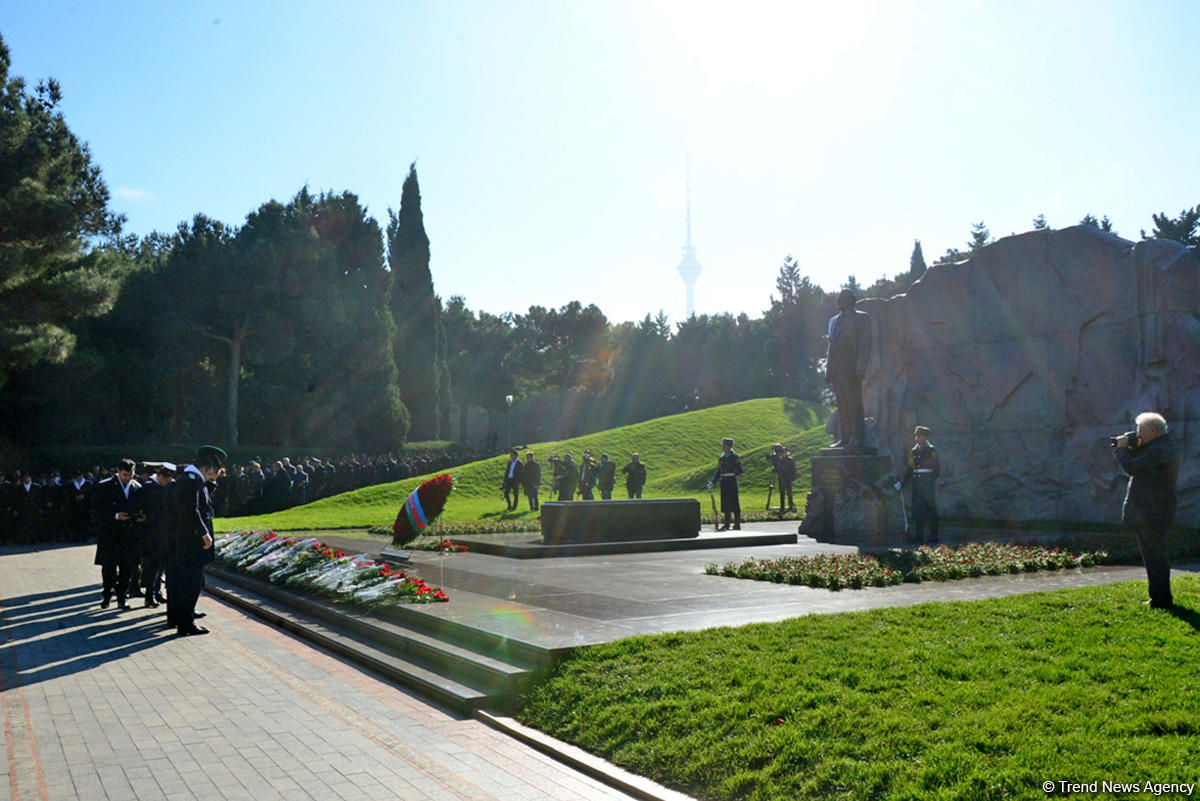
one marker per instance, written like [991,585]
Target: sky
[555,139]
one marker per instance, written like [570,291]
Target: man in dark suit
[79,508]
[512,480]
[117,545]
[1152,464]
[635,476]
[189,526]
[152,508]
[27,508]
[846,365]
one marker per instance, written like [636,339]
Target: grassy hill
[679,451]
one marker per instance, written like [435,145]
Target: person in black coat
[79,508]
[1152,464]
[152,506]
[117,534]
[606,477]
[27,506]
[568,477]
[512,480]
[729,467]
[587,477]
[189,527]
[531,480]
[635,476]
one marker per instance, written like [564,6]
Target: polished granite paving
[570,601]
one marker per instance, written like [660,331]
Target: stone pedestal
[853,501]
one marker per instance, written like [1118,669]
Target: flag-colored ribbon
[416,515]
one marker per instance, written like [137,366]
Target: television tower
[689,268]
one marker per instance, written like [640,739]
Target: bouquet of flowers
[421,508]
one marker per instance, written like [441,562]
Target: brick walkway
[106,705]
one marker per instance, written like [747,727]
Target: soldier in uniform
[189,524]
[729,467]
[923,471]
[785,465]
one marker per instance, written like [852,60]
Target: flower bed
[941,563]
[311,566]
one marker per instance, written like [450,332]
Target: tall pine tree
[420,343]
[53,212]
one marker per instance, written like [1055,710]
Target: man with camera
[1148,456]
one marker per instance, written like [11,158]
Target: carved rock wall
[1025,358]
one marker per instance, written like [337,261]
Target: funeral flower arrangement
[421,508]
[309,565]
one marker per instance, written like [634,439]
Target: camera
[1131,436]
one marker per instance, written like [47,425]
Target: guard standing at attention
[729,467]
[923,471]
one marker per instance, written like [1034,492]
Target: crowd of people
[263,486]
[58,506]
[569,479]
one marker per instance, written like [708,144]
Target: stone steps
[455,665]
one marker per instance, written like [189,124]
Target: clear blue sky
[551,135]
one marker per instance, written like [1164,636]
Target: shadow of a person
[1189,616]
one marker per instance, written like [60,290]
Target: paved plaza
[109,705]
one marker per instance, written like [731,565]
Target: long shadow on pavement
[48,635]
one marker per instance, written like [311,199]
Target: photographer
[1149,458]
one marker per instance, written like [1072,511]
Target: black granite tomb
[570,522]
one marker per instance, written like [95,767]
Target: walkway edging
[576,758]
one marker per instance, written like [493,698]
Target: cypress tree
[916,263]
[416,310]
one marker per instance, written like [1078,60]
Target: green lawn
[967,700]
[680,452]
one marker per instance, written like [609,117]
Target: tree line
[310,326]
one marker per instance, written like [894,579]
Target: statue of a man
[845,366]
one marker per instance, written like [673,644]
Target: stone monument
[1026,357]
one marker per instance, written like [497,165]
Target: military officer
[729,467]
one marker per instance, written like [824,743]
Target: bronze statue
[845,366]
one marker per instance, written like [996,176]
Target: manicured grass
[680,452]
[968,700]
